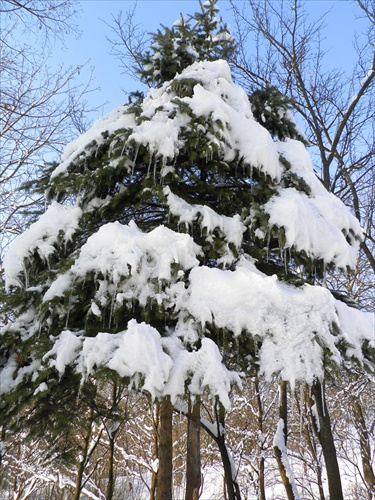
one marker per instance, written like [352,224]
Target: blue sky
[93,46]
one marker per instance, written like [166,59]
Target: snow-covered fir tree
[184,245]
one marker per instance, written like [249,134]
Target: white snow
[309,227]
[41,237]
[232,228]
[317,223]
[117,119]
[292,326]
[202,368]
[292,323]
[117,251]
[139,353]
[216,96]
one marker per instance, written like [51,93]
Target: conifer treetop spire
[198,37]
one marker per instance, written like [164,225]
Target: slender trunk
[232,490]
[262,486]
[311,442]
[364,443]
[193,457]
[232,487]
[155,456]
[2,440]
[164,485]
[280,443]
[111,482]
[324,432]
[82,462]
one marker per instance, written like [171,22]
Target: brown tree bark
[164,479]
[278,451]
[364,443]
[311,440]
[83,461]
[233,490]
[154,478]
[323,430]
[193,456]
[262,484]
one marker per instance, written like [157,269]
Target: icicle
[149,166]
[301,391]
[112,308]
[68,314]
[323,400]
[268,243]
[155,164]
[135,159]
[285,261]
[123,148]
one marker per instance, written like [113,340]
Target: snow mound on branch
[319,223]
[41,237]
[119,251]
[202,369]
[161,124]
[133,353]
[223,104]
[294,326]
[138,354]
[117,119]
[231,228]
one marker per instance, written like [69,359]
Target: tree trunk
[111,482]
[262,486]
[311,441]
[233,490]
[154,478]
[324,432]
[193,457]
[164,481]
[364,443]
[280,442]
[82,462]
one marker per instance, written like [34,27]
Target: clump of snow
[317,223]
[117,119]
[224,105]
[312,225]
[40,237]
[293,325]
[232,228]
[355,327]
[139,354]
[133,353]
[203,369]
[119,251]
[11,375]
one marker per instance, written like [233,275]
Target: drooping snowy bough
[182,247]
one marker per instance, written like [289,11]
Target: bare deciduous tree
[42,107]
[279,46]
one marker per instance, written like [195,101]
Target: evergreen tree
[182,244]
[201,36]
